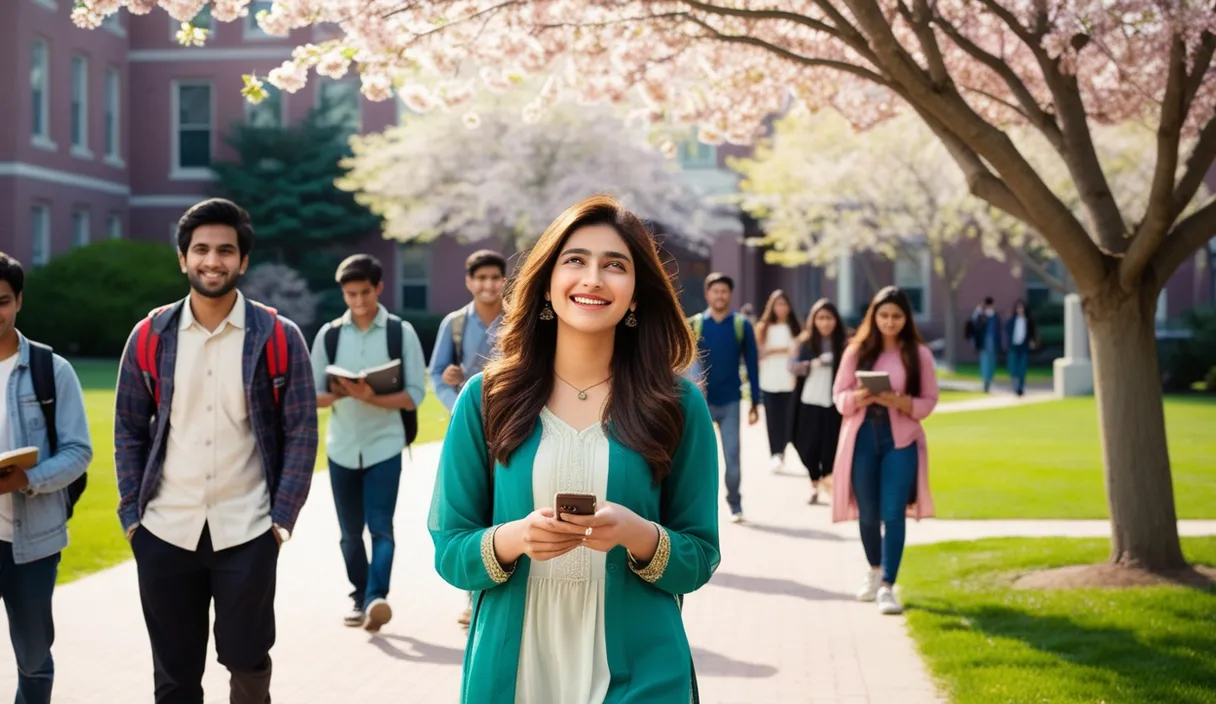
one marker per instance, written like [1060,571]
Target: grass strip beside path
[988,643]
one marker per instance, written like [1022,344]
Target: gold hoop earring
[631,320]
[546,313]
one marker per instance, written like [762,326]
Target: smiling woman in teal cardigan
[593,618]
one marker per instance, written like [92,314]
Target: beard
[197,283]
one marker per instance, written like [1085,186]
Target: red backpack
[147,341]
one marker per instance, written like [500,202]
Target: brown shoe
[378,614]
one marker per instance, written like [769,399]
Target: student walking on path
[215,439]
[815,359]
[1023,336]
[775,332]
[42,406]
[585,398]
[367,431]
[467,336]
[882,463]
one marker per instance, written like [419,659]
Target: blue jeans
[987,366]
[727,418]
[883,478]
[26,591]
[1019,359]
[367,497]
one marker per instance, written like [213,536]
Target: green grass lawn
[1044,460]
[970,371]
[989,644]
[96,537]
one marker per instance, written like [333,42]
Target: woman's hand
[894,401]
[611,525]
[862,397]
[538,535]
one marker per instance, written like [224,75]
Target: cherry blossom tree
[969,68]
[488,174]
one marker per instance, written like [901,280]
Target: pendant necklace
[582,393]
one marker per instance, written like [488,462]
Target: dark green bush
[1209,381]
[85,302]
[1187,361]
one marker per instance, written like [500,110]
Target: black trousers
[176,588]
[815,439]
[777,417]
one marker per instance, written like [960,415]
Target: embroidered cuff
[653,571]
[497,572]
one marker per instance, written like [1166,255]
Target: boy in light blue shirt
[366,433]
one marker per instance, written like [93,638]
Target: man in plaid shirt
[208,499]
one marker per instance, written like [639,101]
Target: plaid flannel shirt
[286,438]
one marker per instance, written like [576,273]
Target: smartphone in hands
[574,503]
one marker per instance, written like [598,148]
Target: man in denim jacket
[33,503]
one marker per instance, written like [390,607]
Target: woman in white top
[775,331]
[815,358]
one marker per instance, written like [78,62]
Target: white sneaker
[378,614]
[869,588]
[887,603]
[776,463]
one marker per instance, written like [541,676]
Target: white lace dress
[563,656]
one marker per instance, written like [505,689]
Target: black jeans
[176,588]
[777,417]
[26,590]
[815,439]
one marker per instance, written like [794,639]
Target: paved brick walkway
[776,624]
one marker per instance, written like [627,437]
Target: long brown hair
[868,340]
[769,316]
[643,410]
[811,342]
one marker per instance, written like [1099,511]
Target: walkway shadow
[709,664]
[1126,665]
[422,651]
[798,533]
[778,587]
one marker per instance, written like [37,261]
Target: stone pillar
[1074,373]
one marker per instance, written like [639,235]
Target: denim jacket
[40,511]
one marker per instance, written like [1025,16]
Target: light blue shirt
[476,348]
[360,434]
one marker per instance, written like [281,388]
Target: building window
[914,275]
[414,263]
[339,102]
[1038,292]
[40,222]
[80,104]
[80,228]
[40,90]
[192,113]
[269,112]
[693,154]
[114,226]
[252,29]
[113,113]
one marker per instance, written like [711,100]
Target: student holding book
[885,387]
[366,431]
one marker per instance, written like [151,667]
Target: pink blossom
[289,76]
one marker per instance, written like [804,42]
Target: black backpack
[396,350]
[42,373]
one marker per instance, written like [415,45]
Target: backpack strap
[332,334]
[42,373]
[276,353]
[458,322]
[147,343]
[395,337]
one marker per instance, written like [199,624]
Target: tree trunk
[1127,384]
[951,327]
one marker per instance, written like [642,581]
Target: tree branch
[1161,212]
[1197,166]
[1203,59]
[921,20]
[1078,150]
[1188,236]
[1039,269]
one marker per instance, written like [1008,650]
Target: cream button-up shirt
[212,473]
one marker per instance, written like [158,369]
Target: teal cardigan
[648,652]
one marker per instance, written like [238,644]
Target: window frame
[81,217]
[40,240]
[41,138]
[78,106]
[112,117]
[114,225]
[922,260]
[251,109]
[177,172]
[425,259]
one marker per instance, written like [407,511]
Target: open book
[384,379]
[876,382]
[23,457]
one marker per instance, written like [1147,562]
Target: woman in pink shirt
[882,462]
